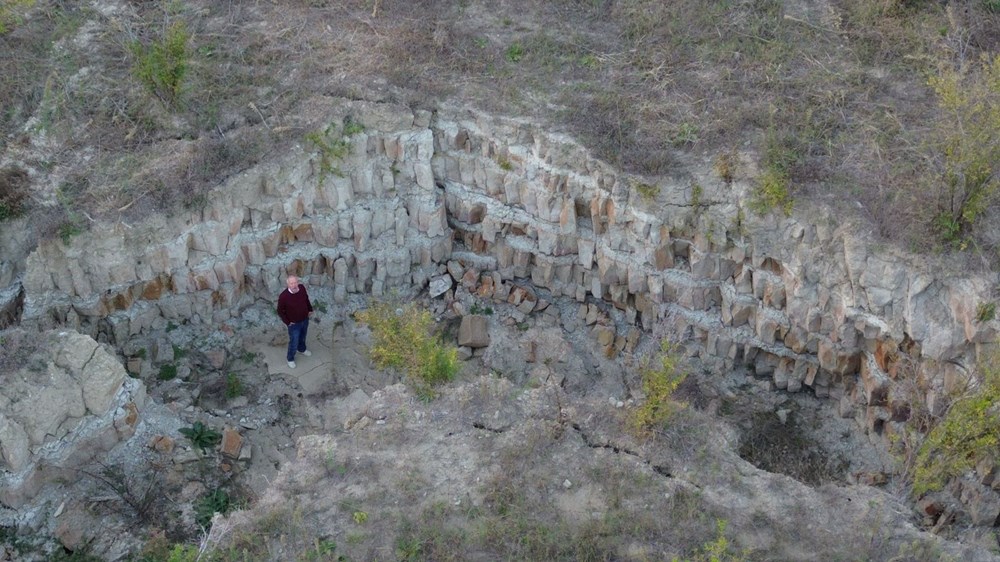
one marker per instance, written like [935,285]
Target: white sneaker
[291,364]
[307,353]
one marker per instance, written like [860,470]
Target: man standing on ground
[295,309]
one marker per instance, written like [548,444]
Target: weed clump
[402,338]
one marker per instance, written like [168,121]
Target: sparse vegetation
[785,448]
[11,13]
[773,189]
[402,338]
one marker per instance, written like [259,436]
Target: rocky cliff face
[805,300]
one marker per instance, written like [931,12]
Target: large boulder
[68,401]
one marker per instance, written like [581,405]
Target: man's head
[293,284]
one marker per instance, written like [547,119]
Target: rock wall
[69,402]
[375,222]
[805,300]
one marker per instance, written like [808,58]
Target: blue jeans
[297,338]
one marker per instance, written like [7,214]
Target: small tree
[967,145]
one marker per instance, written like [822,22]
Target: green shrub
[402,339]
[217,501]
[201,435]
[352,127]
[234,386]
[167,372]
[660,378]
[162,66]
[967,434]
[966,149]
[477,308]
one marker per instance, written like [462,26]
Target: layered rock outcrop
[804,300]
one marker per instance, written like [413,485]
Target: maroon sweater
[294,308]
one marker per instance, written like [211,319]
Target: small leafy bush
[725,166]
[68,230]
[402,338]
[660,378]
[201,435]
[772,193]
[162,66]
[967,434]
[352,127]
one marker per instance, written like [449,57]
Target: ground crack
[480,425]
[659,469]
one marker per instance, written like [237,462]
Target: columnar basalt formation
[804,300]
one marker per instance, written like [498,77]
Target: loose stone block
[474,331]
